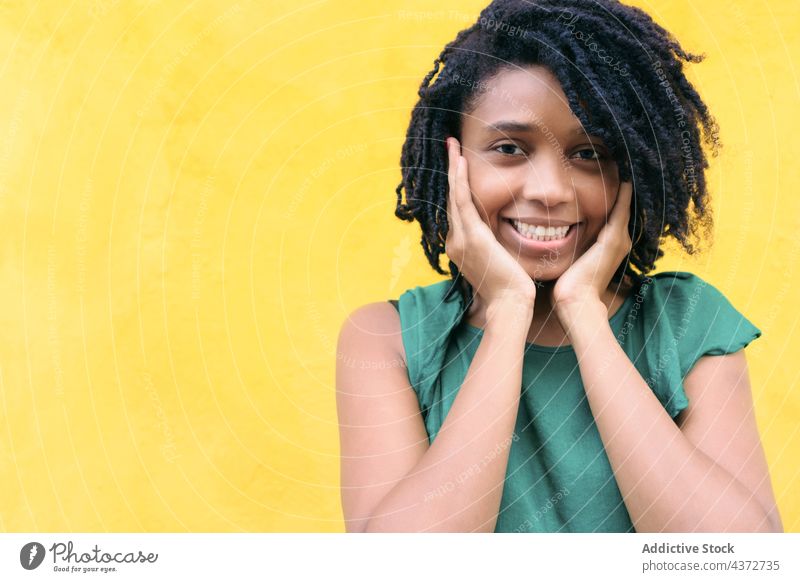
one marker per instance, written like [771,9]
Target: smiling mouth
[539,233]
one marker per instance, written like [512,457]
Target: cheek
[596,196]
[491,191]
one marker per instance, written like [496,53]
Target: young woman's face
[530,159]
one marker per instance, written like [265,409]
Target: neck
[545,327]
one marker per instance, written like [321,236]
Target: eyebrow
[518,126]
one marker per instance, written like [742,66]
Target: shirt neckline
[612,321]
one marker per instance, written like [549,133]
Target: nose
[547,180]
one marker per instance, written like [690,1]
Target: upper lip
[543,221]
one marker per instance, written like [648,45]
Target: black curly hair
[623,76]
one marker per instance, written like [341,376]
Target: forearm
[668,485]
[458,484]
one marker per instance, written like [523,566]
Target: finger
[621,213]
[453,216]
[467,210]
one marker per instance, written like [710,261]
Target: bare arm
[392,480]
[705,473]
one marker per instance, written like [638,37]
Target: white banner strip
[401,557]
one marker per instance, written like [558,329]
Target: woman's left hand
[586,280]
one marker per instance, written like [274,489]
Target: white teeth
[541,233]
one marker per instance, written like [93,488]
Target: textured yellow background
[193,195]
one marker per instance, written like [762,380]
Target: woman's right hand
[492,271]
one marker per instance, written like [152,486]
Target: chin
[548,274]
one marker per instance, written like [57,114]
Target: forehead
[527,95]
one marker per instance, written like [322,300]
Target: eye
[590,154]
[509,149]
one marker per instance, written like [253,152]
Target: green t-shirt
[559,478]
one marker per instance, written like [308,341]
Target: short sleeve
[687,318]
[719,328]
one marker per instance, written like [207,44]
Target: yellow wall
[193,195]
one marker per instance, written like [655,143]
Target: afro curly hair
[623,76]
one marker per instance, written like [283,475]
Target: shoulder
[427,295]
[381,330]
[698,316]
[679,293]
[679,282]
[682,293]
[369,329]
[428,310]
